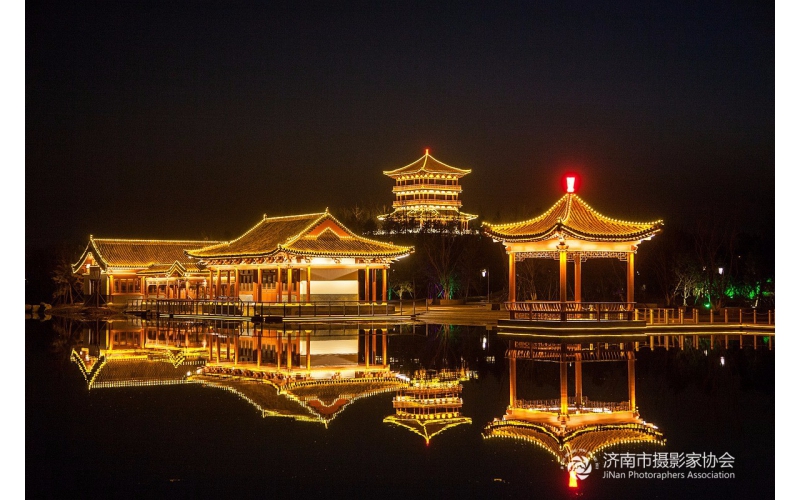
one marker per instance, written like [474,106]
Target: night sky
[189,120]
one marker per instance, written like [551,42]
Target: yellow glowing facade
[115,270]
[427,190]
[280,259]
[299,258]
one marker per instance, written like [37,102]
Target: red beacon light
[570,183]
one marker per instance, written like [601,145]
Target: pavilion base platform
[574,329]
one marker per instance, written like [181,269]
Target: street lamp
[485,274]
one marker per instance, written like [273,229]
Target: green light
[708,306]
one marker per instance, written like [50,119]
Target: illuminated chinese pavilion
[572,425]
[426,191]
[282,259]
[573,231]
[115,270]
[429,405]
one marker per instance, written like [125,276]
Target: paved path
[469,315]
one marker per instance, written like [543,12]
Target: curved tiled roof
[125,253]
[427,164]
[295,235]
[573,217]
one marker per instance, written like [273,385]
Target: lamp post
[485,274]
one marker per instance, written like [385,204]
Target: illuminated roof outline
[572,217]
[308,235]
[138,254]
[427,164]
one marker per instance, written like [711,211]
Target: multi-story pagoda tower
[426,191]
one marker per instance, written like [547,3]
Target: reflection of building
[426,191]
[138,353]
[310,373]
[117,269]
[573,231]
[569,426]
[430,403]
[299,258]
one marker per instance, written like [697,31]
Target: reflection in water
[571,426]
[566,398]
[307,371]
[430,403]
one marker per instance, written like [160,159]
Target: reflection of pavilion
[570,425]
[430,403]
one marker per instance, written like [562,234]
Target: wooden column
[279,286]
[257,285]
[366,348]
[512,382]
[279,349]
[374,273]
[562,275]
[236,350]
[289,352]
[308,352]
[632,381]
[374,343]
[258,346]
[289,284]
[577,259]
[218,292]
[384,354]
[630,278]
[228,344]
[383,285]
[308,284]
[110,287]
[366,284]
[512,277]
[564,392]
[578,383]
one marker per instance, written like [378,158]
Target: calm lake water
[191,440]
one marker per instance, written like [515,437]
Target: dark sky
[186,120]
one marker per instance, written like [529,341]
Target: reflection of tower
[430,403]
[572,426]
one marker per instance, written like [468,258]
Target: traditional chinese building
[571,231]
[116,270]
[299,258]
[427,191]
[280,259]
